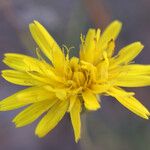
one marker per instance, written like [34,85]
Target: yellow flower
[66,85]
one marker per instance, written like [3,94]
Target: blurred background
[112,127]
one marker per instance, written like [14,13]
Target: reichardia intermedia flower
[63,84]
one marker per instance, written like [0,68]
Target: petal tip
[36,22]
[77,139]
[117,22]
[31,26]
[39,135]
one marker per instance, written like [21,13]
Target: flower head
[67,85]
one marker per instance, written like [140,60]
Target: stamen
[67,50]
[82,38]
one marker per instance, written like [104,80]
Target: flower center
[81,75]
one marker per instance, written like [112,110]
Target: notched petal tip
[139,43]
[77,139]
[3,72]
[90,101]
[17,125]
[130,102]
[39,135]
[148,115]
[6,55]
[145,117]
[37,23]
[34,22]
[91,107]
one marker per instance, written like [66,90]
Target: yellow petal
[11,103]
[15,61]
[110,33]
[75,119]
[20,78]
[39,66]
[74,61]
[24,63]
[102,68]
[129,80]
[136,69]
[52,118]
[72,102]
[61,94]
[28,64]
[126,54]
[34,69]
[35,94]
[99,88]
[47,44]
[51,79]
[110,48]
[88,48]
[32,112]
[131,103]
[37,70]
[90,100]
[25,97]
